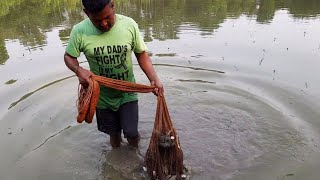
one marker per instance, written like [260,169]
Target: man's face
[103,20]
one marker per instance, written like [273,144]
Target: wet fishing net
[164,156]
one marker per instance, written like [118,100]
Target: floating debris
[261,61]
[195,81]
[30,93]
[9,133]
[197,56]
[50,138]
[166,55]
[24,108]
[11,81]
[193,68]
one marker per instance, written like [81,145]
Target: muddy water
[241,81]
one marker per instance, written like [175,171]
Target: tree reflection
[266,11]
[303,9]
[3,53]
[29,20]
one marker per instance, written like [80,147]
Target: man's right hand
[73,64]
[84,76]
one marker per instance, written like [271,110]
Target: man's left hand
[158,90]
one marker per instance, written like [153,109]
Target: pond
[241,80]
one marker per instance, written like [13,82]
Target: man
[108,40]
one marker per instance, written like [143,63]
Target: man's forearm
[83,74]
[147,67]
[71,62]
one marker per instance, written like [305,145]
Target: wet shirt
[109,54]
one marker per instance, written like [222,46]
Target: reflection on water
[28,21]
[241,77]
[3,53]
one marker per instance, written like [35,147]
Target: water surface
[241,81]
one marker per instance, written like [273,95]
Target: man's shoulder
[82,26]
[126,19]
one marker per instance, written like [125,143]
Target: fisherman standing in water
[108,40]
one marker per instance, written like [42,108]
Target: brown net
[88,97]
[164,156]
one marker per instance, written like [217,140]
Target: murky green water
[241,80]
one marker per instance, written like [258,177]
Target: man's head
[101,13]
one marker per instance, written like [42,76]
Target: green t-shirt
[109,54]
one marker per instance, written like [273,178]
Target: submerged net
[164,156]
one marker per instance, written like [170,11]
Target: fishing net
[88,97]
[164,156]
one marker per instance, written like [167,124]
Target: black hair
[95,6]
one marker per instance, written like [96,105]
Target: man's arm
[146,65]
[73,64]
